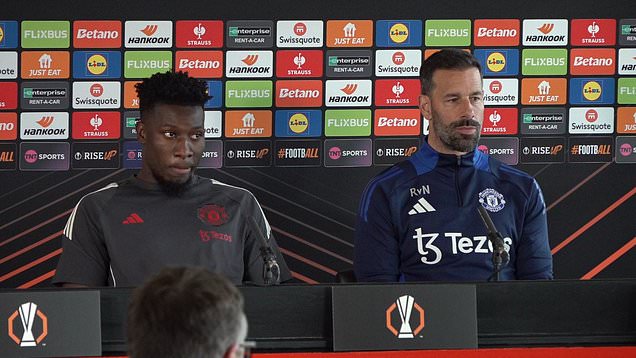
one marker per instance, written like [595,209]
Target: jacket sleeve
[84,259]
[376,251]
[252,256]
[534,259]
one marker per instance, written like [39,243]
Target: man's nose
[183,147]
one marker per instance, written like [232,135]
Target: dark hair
[171,88]
[447,59]
[184,312]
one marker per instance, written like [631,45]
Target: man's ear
[231,351]
[425,106]
[141,132]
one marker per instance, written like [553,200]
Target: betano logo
[403,122]
[97,34]
[27,312]
[405,305]
[201,64]
[299,93]
[496,32]
[592,61]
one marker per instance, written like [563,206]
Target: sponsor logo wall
[312,93]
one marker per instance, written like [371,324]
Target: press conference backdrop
[310,100]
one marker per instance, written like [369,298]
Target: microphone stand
[500,256]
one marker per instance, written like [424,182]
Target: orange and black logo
[30,325]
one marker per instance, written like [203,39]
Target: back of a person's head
[185,313]
[446,59]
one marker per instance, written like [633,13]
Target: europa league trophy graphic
[405,307]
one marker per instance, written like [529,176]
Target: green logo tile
[240,94]
[46,34]
[348,122]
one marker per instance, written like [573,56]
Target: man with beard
[418,220]
[166,215]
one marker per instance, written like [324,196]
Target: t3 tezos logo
[27,312]
[405,305]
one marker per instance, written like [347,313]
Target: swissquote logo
[28,312]
[405,305]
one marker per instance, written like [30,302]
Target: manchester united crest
[213,214]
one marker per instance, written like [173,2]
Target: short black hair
[447,59]
[171,88]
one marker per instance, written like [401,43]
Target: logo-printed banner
[404,317]
[41,324]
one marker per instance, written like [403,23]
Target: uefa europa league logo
[405,305]
[27,312]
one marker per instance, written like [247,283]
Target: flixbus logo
[97,34]
[46,34]
[541,62]
[593,32]
[447,33]
[243,94]
[496,32]
[545,32]
[140,64]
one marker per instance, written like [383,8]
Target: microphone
[271,270]
[500,256]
